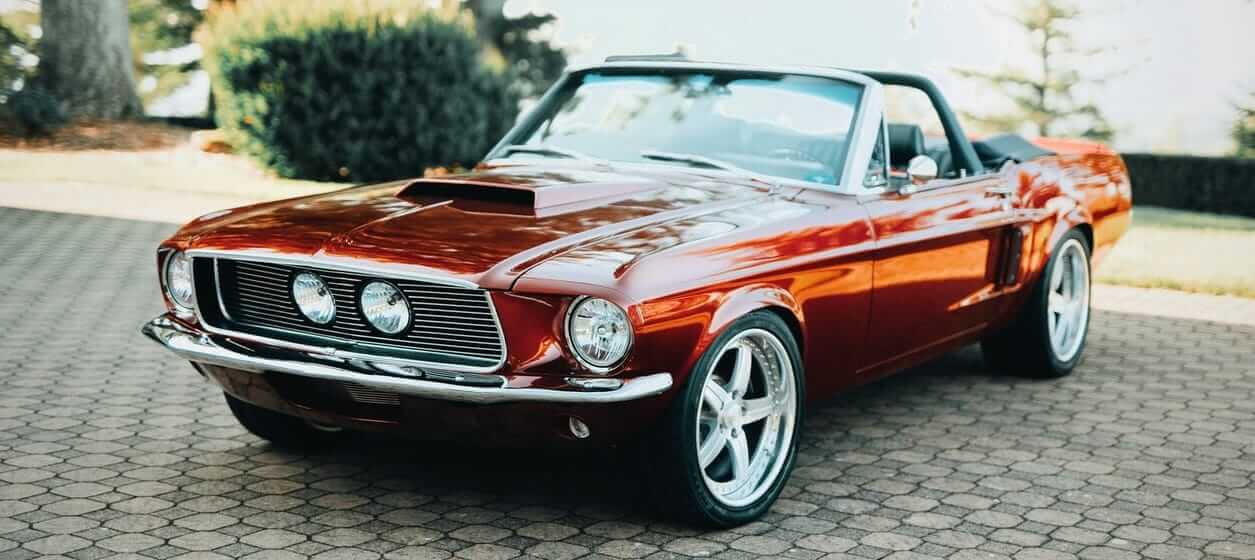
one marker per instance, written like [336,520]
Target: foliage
[1204,184]
[27,109]
[11,70]
[534,64]
[35,112]
[353,92]
[158,25]
[163,25]
[1244,130]
[15,44]
[1045,97]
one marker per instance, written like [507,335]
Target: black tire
[288,432]
[1024,347]
[675,479]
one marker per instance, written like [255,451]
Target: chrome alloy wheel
[745,418]
[1067,304]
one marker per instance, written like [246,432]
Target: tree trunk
[85,57]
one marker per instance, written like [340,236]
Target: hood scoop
[520,194]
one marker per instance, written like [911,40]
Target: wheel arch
[1052,230]
[1078,217]
[1086,229]
[790,320]
[745,300]
[761,297]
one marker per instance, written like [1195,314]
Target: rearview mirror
[921,169]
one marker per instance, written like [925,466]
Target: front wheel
[1047,338]
[730,439]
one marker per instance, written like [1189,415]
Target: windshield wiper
[543,150]
[703,161]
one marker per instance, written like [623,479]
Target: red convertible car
[663,251]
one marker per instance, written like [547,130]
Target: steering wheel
[793,154]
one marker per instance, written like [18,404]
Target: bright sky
[1182,65]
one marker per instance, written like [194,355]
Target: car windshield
[789,126]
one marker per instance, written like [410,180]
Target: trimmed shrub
[354,91]
[35,112]
[1220,185]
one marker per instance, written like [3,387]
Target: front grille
[449,324]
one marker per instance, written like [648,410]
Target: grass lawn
[140,154]
[182,169]
[1183,250]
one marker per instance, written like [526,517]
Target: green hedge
[353,91]
[1221,185]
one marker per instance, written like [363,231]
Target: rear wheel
[729,442]
[1048,337]
[281,430]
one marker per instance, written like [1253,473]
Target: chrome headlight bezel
[620,352]
[402,321]
[325,310]
[180,290]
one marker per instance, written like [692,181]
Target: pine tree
[162,25]
[534,63]
[1045,96]
[1244,129]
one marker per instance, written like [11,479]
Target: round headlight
[599,333]
[385,307]
[313,298]
[179,279]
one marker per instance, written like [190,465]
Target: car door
[937,266]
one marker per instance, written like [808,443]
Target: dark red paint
[872,284]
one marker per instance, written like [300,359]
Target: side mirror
[921,169]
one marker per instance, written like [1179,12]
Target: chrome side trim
[968,225]
[345,354]
[199,347]
[937,184]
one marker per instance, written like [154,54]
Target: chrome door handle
[1002,190]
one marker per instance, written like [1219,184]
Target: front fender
[682,328]
[746,300]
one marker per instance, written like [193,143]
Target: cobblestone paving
[110,446]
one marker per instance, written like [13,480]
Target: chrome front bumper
[199,346]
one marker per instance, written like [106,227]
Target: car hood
[487,227]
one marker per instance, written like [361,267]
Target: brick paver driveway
[109,445]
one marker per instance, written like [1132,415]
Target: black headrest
[905,142]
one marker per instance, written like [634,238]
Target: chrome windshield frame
[863,130]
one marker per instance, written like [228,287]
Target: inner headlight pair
[599,333]
[382,304]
